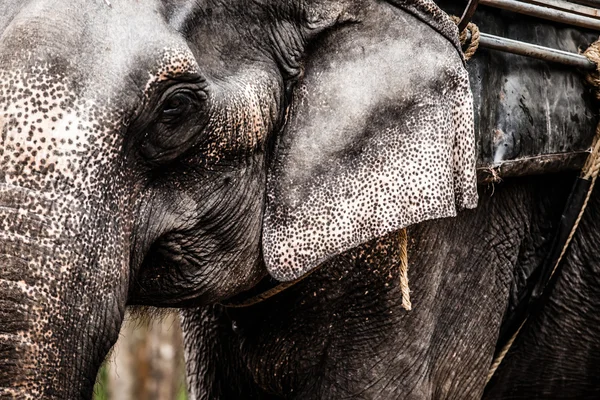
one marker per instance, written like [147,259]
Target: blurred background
[146,363]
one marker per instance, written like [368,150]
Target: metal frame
[553,10]
[532,50]
[468,14]
[568,7]
[547,13]
[591,3]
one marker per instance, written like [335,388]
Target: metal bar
[591,3]
[532,50]
[467,15]
[567,6]
[544,13]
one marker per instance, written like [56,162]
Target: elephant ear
[379,136]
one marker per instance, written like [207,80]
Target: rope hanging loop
[468,37]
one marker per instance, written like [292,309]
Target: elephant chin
[62,297]
[165,279]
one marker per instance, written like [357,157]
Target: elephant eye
[180,116]
[177,105]
[180,103]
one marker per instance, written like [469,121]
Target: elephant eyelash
[156,97]
[180,103]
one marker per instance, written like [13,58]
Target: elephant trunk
[62,292]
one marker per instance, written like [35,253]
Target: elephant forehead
[50,132]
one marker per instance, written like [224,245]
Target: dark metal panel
[525,107]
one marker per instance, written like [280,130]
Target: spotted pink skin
[57,217]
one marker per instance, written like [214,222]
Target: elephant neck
[342,332]
[307,327]
[557,350]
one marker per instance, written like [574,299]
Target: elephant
[173,153]
[342,331]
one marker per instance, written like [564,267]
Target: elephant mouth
[179,272]
[162,276]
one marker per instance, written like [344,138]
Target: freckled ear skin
[379,137]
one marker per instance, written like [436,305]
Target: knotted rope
[470,41]
[589,173]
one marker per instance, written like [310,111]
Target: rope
[589,172]
[259,298]
[593,78]
[500,356]
[471,41]
[404,288]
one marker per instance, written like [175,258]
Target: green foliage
[100,392]
[182,395]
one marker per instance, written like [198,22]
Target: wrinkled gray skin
[557,352]
[342,332]
[109,198]
[142,143]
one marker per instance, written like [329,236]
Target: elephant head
[156,152]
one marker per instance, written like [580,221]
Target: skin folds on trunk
[65,225]
[59,294]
